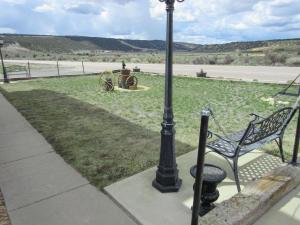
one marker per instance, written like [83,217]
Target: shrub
[61,58]
[238,52]
[105,59]
[152,59]
[228,60]
[213,60]
[135,60]
[93,59]
[200,60]
[247,60]
[293,61]
[274,58]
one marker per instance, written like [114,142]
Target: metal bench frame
[259,132]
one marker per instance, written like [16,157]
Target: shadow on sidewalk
[258,168]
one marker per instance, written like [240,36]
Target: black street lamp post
[167,179]
[5,78]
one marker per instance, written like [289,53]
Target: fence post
[83,71]
[200,165]
[57,65]
[29,71]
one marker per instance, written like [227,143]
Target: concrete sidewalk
[39,187]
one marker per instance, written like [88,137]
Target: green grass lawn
[12,68]
[109,136]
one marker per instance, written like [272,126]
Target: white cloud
[15,2]
[238,26]
[229,20]
[104,16]
[83,8]
[7,30]
[46,7]
[201,21]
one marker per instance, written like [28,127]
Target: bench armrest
[210,134]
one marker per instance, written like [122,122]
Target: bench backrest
[262,129]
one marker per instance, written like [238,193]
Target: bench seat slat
[228,149]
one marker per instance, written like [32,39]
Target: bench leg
[234,167]
[279,143]
[236,174]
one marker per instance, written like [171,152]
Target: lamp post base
[167,189]
[167,179]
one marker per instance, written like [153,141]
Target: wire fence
[28,70]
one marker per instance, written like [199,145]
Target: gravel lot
[248,73]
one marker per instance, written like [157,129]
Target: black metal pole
[167,179]
[200,165]
[5,77]
[296,143]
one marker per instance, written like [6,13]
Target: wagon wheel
[101,79]
[132,82]
[106,82]
[108,85]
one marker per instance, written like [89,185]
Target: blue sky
[197,21]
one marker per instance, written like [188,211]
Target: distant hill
[245,46]
[60,44]
[69,44]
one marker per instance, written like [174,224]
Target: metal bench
[259,132]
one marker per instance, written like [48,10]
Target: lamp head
[171,1]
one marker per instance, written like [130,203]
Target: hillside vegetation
[272,52]
[67,44]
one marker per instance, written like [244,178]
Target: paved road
[39,187]
[249,73]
